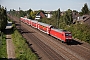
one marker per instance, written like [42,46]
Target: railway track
[52,55]
[57,48]
[75,51]
[85,45]
[61,50]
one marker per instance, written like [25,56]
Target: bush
[80,31]
[22,50]
[3,50]
[3,18]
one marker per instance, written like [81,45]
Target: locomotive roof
[22,17]
[25,18]
[61,30]
[44,24]
[28,19]
[34,21]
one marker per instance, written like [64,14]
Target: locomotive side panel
[58,35]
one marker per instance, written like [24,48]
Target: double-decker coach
[21,18]
[44,27]
[34,23]
[25,20]
[28,21]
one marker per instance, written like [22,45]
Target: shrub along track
[74,51]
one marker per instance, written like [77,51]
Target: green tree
[85,9]
[22,13]
[28,13]
[3,18]
[56,18]
[32,14]
[68,17]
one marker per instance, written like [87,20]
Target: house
[42,14]
[48,14]
[85,19]
[75,16]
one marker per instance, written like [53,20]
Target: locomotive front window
[67,34]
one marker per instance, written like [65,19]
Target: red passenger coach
[25,20]
[34,23]
[44,27]
[60,34]
[28,21]
[22,19]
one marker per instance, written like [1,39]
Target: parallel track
[75,51]
[52,55]
[53,45]
[69,52]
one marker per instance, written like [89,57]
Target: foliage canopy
[3,18]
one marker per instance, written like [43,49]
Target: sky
[47,5]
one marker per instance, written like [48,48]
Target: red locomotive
[60,34]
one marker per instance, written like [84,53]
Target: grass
[22,51]
[3,51]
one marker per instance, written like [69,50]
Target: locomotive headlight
[67,38]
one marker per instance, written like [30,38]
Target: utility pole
[58,17]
